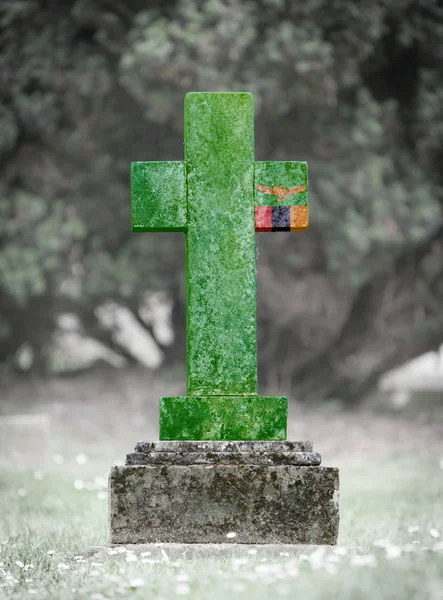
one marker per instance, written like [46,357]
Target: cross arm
[281,195]
[158,196]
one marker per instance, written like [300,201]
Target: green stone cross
[219,197]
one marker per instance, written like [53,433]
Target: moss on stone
[158,196]
[223,418]
[211,196]
[220,245]
[262,504]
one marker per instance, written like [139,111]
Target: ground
[53,518]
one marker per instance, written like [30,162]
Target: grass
[48,527]
[390,545]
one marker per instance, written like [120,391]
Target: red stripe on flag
[263,218]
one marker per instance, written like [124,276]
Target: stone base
[263,495]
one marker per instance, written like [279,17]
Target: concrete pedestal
[205,492]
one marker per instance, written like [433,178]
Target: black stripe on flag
[281,218]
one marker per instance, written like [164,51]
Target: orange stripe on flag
[299,218]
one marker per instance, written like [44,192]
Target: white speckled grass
[392,511]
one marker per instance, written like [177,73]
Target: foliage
[36,237]
[355,89]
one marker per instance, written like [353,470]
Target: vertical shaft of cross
[220,245]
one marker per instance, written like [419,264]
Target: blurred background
[353,88]
[350,312]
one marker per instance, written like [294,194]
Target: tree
[352,88]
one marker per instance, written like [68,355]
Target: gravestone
[222,469]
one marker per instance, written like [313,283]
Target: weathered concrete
[233,458]
[203,503]
[237,452]
[219,446]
